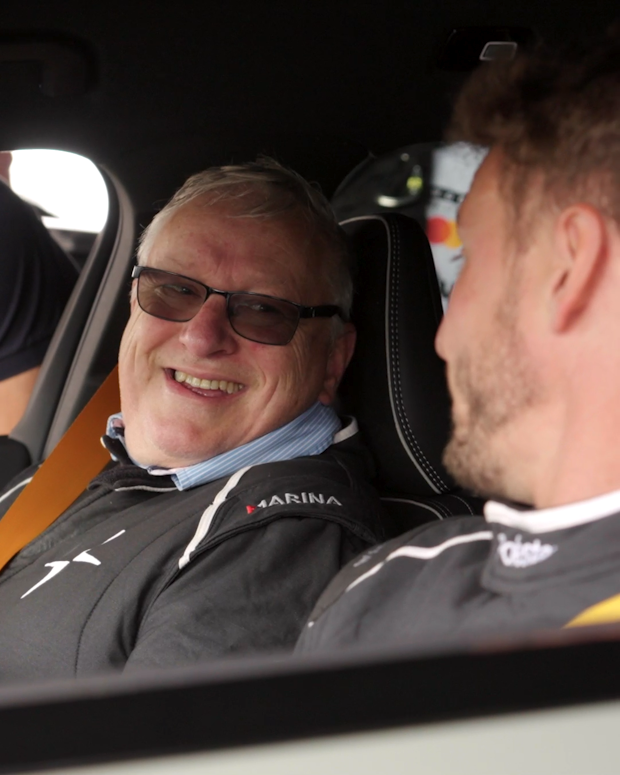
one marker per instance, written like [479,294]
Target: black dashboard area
[246,702]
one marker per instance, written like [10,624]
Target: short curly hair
[555,116]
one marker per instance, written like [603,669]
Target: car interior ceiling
[153,93]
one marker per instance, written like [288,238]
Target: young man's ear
[581,251]
[339,357]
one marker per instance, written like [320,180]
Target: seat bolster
[407,511]
[396,384]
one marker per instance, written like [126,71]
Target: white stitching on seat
[447,511]
[394,364]
[401,421]
[469,508]
[422,505]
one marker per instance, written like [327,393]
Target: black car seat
[396,384]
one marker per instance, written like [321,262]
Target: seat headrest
[396,384]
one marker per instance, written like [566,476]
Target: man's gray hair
[267,190]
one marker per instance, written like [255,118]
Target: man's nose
[440,339]
[209,331]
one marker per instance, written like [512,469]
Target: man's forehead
[198,212]
[201,237]
[485,186]
[234,220]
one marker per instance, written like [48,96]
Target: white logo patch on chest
[302,497]
[517,553]
[59,565]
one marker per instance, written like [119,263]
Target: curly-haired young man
[529,339]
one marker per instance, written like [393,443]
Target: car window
[53,205]
[68,192]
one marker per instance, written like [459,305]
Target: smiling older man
[236,494]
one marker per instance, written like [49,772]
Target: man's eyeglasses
[259,318]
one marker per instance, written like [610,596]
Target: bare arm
[14,395]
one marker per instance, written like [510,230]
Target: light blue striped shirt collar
[309,434]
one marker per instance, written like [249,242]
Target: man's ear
[581,251]
[338,359]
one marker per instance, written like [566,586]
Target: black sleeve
[36,278]
[251,593]
[11,491]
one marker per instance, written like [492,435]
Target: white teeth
[208,384]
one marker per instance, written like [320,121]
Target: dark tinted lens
[263,319]
[167,296]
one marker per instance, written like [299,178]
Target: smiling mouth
[224,386]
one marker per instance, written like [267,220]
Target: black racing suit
[451,583]
[125,577]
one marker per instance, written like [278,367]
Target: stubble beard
[495,385]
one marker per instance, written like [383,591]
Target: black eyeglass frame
[320,311]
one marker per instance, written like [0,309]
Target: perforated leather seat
[396,384]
